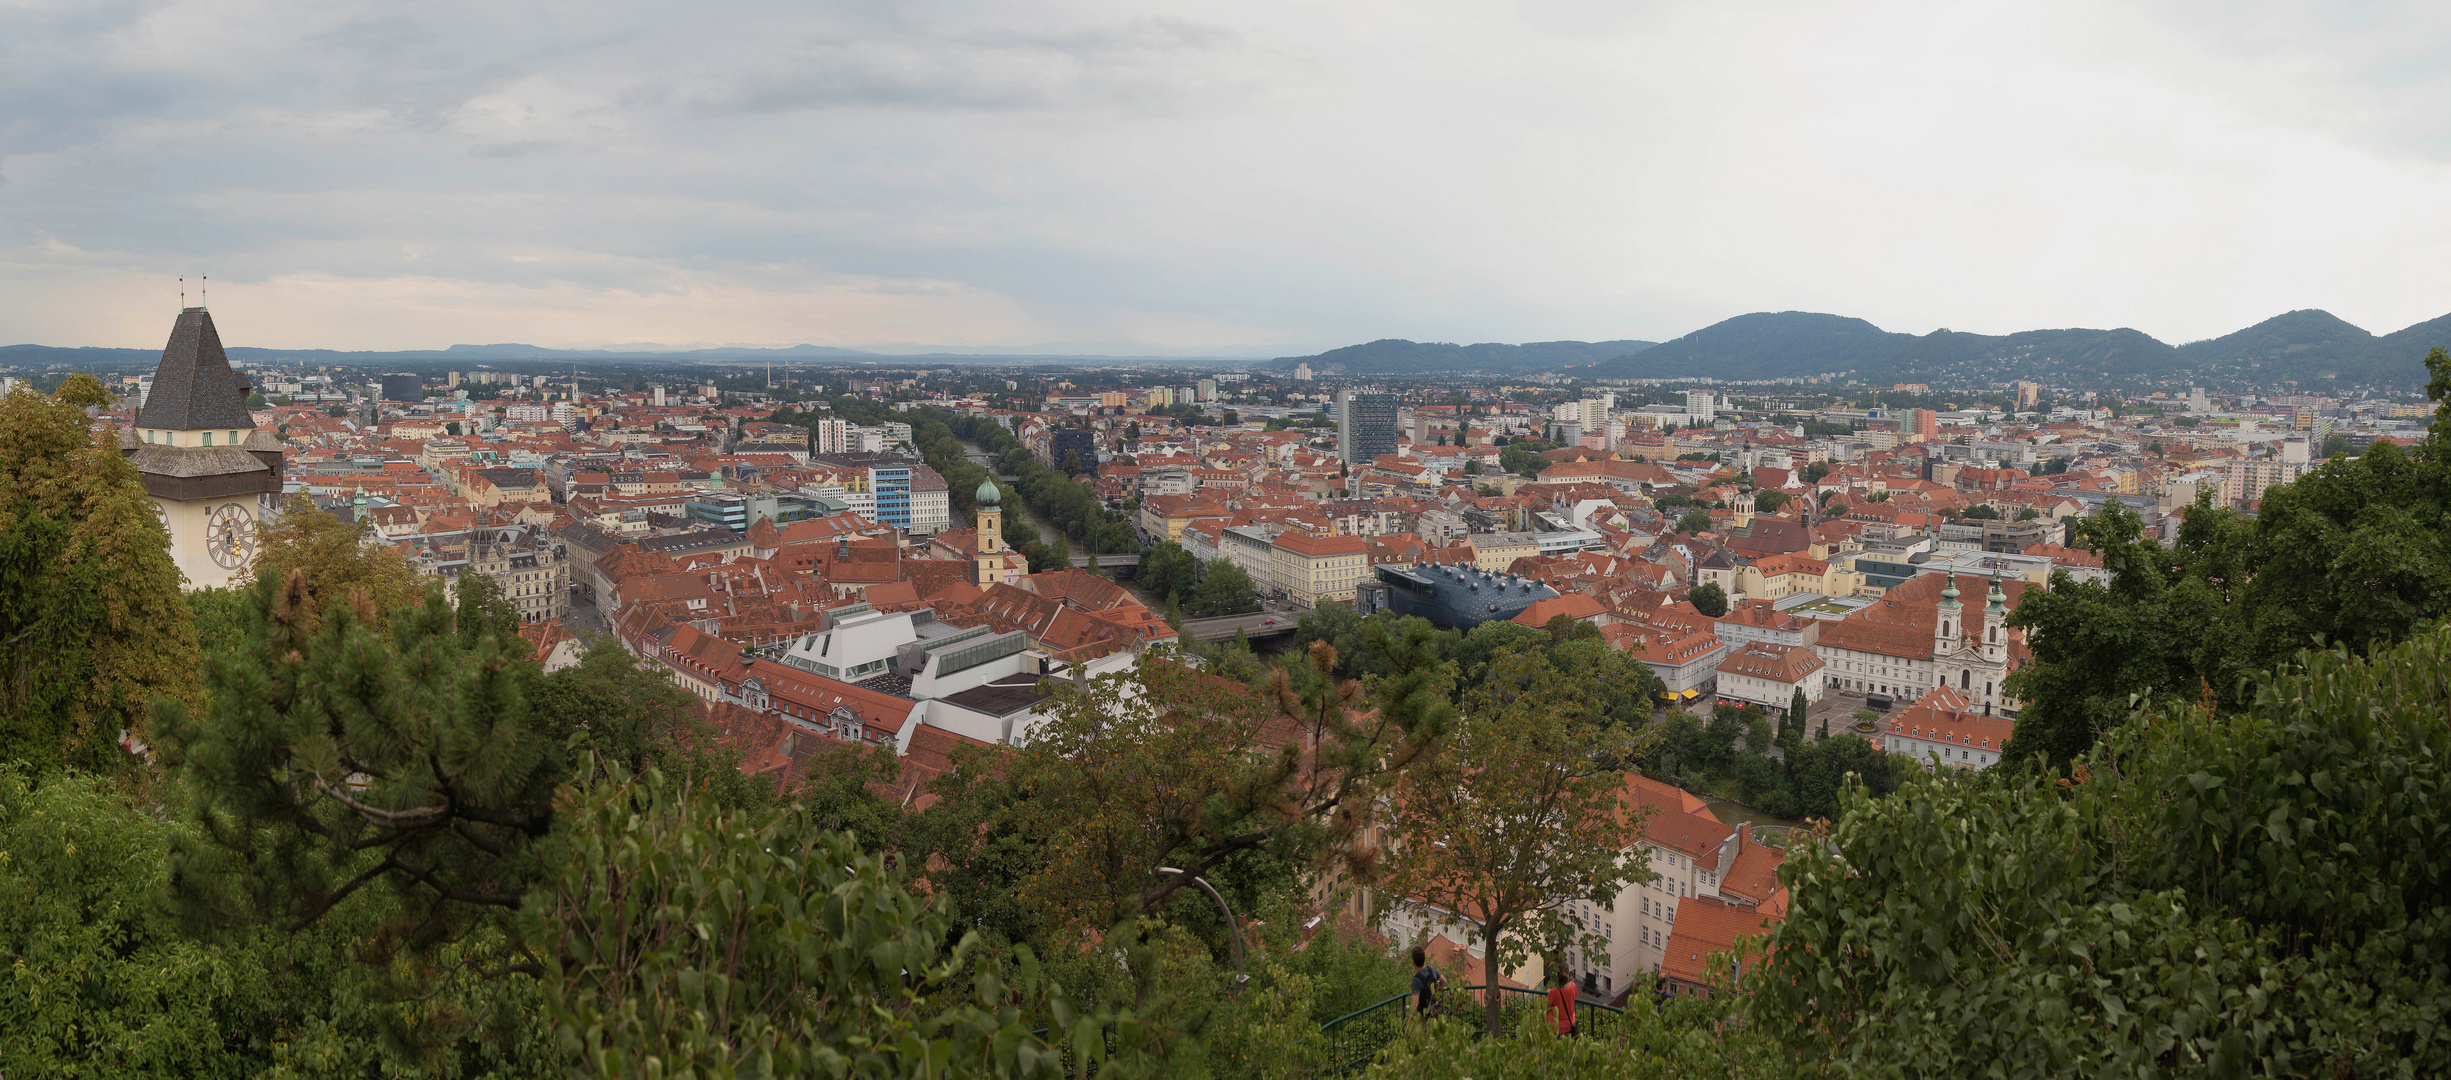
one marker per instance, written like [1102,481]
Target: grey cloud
[1304,172]
[1146,63]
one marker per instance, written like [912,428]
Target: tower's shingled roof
[194,388]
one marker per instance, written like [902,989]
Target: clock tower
[211,473]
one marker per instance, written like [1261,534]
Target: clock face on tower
[230,536]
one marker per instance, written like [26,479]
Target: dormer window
[208,438]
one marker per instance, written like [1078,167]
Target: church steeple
[1995,620]
[990,522]
[1944,630]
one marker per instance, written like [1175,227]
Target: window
[208,438]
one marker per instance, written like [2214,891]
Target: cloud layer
[1258,176]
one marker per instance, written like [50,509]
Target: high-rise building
[1701,406]
[452,380]
[1208,389]
[1302,373]
[403,388]
[659,396]
[1365,427]
[1072,444]
[833,435]
[1924,423]
[911,497]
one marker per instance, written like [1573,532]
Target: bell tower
[1947,630]
[990,564]
[1995,620]
[211,473]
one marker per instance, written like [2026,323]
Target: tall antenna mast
[204,298]
[182,292]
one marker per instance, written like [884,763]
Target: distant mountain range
[2315,348]
[92,358]
[1395,356]
[88,356]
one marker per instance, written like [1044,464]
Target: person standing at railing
[1561,1003]
[1425,984]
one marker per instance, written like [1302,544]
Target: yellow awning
[1691,693]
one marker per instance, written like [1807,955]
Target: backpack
[1437,1005]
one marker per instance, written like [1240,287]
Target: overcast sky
[1247,177]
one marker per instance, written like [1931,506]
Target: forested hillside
[2312,347]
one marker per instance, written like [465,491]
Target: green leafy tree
[1168,571]
[104,982]
[336,557]
[1224,589]
[1769,502]
[2353,552]
[1521,819]
[691,940]
[2129,916]
[1709,599]
[1695,523]
[1159,766]
[1580,677]
[92,626]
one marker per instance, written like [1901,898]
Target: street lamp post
[1234,933]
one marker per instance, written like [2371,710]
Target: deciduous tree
[1159,766]
[2210,892]
[336,557]
[92,625]
[1524,817]
[1709,599]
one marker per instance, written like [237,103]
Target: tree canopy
[2354,552]
[2211,891]
[92,624]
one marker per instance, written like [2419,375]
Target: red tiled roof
[1778,663]
[1705,926]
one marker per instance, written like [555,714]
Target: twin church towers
[212,474]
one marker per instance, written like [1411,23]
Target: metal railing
[1356,1038]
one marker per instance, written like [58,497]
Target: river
[1047,532]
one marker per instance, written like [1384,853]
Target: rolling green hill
[2307,346]
[2314,348]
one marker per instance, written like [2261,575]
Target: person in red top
[1561,1003]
